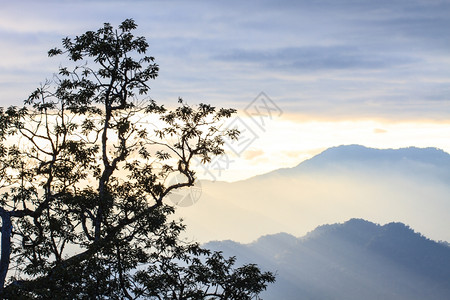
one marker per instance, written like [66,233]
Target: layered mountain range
[409,185]
[352,260]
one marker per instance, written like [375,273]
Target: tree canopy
[84,180]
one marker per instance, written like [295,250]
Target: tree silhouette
[85,169]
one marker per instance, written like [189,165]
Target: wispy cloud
[366,59]
[317,58]
[252,154]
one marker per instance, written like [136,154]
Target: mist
[299,199]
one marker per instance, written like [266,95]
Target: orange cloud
[251,154]
[379,130]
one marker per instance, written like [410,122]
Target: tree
[84,182]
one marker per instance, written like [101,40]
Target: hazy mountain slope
[419,162]
[408,185]
[354,260]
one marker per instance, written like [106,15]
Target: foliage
[85,170]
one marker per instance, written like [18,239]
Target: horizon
[233,179]
[306,235]
[393,188]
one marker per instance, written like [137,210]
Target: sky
[304,75]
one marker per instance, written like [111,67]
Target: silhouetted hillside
[354,260]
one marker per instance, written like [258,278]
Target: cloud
[325,58]
[293,153]
[379,130]
[317,58]
[252,154]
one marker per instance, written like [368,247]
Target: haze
[374,73]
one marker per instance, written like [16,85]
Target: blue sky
[327,62]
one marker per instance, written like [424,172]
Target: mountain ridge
[339,156]
[409,185]
[389,261]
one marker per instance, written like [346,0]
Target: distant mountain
[354,260]
[424,162]
[409,185]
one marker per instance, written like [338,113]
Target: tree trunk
[5,247]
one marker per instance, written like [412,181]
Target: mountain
[354,260]
[432,163]
[409,185]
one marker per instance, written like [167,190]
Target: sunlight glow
[286,143]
